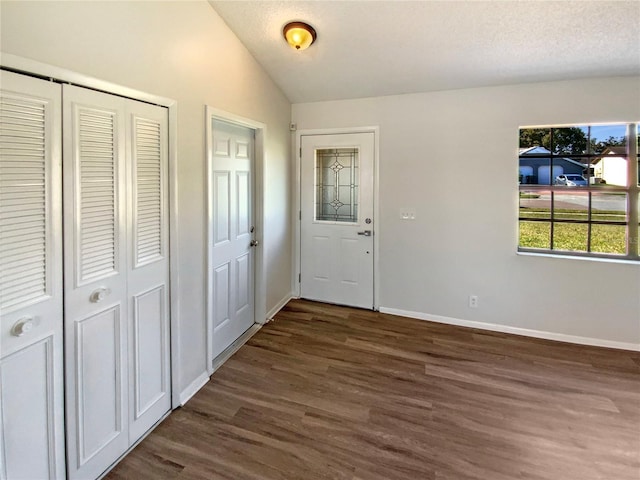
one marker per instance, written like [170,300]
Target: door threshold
[234,347]
[337,304]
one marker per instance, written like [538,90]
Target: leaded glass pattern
[337,185]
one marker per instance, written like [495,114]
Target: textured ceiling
[374,48]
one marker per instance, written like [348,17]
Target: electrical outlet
[473,301]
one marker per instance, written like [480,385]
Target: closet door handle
[99,294]
[22,326]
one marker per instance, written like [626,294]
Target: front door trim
[296,274]
[260,297]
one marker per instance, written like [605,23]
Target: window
[579,189]
[336,180]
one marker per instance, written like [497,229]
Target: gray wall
[184,51]
[453,155]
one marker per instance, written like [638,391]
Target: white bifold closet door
[31,368]
[116,275]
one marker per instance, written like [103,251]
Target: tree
[567,141]
[534,137]
[601,145]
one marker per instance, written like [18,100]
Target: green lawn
[609,239]
[573,237]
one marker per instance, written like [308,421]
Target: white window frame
[632,190]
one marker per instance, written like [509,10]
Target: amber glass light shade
[299,35]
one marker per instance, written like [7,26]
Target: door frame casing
[260,295]
[34,68]
[296,220]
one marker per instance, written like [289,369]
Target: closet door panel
[31,369]
[149,384]
[96,304]
[149,375]
[29,416]
[98,369]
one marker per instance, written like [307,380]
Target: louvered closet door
[31,373]
[116,275]
[95,297]
[148,288]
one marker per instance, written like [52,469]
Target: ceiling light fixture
[299,35]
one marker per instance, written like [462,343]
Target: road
[611,202]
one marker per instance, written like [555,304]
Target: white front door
[232,233]
[116,275]
[31,366]
[337,224]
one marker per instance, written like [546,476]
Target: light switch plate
[408,213]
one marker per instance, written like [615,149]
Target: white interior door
[31,363]
[337,224]
[231,257]
[116,275]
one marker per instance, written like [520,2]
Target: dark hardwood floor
[327,392]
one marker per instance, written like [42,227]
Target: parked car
[571,180]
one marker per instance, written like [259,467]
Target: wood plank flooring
[326,392]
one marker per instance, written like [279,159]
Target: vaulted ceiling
[374,48]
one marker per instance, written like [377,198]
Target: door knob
[22,326]
[366,233]
[254,243]
[99,294]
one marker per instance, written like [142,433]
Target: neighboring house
[611,166]
[535,168]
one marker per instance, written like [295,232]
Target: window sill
[624,261]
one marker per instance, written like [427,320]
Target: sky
[603,132]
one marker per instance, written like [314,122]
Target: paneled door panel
[149,350]
[337,224]
[349,268]
[221,296]
[221,207]
[31,361]
[98,367]
[27,384]
[231,268]
[96,304]
[243,275]
[243,198]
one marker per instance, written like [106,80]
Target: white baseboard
[560,337]
[280,305]
[193,388]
